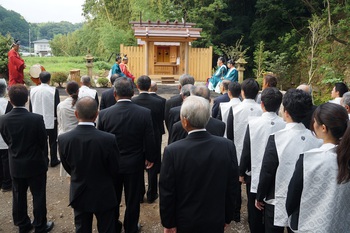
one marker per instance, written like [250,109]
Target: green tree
[5,42]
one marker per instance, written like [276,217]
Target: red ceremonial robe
[15,67]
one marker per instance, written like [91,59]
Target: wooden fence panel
[200,63]
[136,59]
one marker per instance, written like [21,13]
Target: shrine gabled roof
[166,30]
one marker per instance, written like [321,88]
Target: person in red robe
[15,65]
[125,69]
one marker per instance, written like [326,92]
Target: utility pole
[29,43]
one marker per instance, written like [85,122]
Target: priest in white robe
[44,100]
[86,90]
[282,151]
[257,134]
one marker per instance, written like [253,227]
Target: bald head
[154,87]
[85,80]
[304,87]
[86,109]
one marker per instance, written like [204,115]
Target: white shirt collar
[197,130]
[124,100]
[86,123]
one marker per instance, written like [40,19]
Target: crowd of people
[292,156]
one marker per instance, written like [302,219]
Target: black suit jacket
[25,134]
[156,107]
[170,103]
[214,127]
[107,98]
[90,156]
[174,116]
[197,184]
[133,128]
[216,106]
[162,130]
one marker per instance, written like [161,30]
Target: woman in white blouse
[65,113]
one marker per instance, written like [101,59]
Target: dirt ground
[58,194]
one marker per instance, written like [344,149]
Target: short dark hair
[272,99]
[297,103]
[144,83]
[123,87]
[250,88]
[18,94]
[222,59]
[235,89]
[270,80]
[341,88]
[225,84]
[113,78]
[86,108]
[44,77]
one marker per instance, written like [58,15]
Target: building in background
[42,48]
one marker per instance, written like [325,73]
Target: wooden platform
[167,79]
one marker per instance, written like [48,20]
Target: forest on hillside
[302,41]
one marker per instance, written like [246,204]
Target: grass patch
[63,64]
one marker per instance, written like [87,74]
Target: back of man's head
[270,80]
[225,85]
[235,89]
[86,109]
[186,90]
[153,87]
[196,110]
[346,99]
[186,79]
[143,83]
[18,94]
[341,88]
[271,97]
[250,87]
[3,87]
[201,91]
[85,80]
[44,77]
[305,87]
[297,103]
[113,78]
[123,87]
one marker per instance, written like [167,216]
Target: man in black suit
[93,168]
[156,106]
[214,126]
[177,99]
[132,126]
[221,99]
[44,100]
[193,172]
[107,97]
[174,113]
[153,92]
[25,134]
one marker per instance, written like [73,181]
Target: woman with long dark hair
[65,113]
[318,193]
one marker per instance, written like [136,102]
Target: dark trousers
[152,191]
[238,203]
[269,216]
[37,186]
[52,135]
[106,221]
[131,184]
[255,216]
[5,178]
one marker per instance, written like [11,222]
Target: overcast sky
[39,11]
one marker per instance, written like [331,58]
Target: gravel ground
[58,193]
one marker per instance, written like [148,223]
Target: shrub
[102,65]
[59,78]
[103,82]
